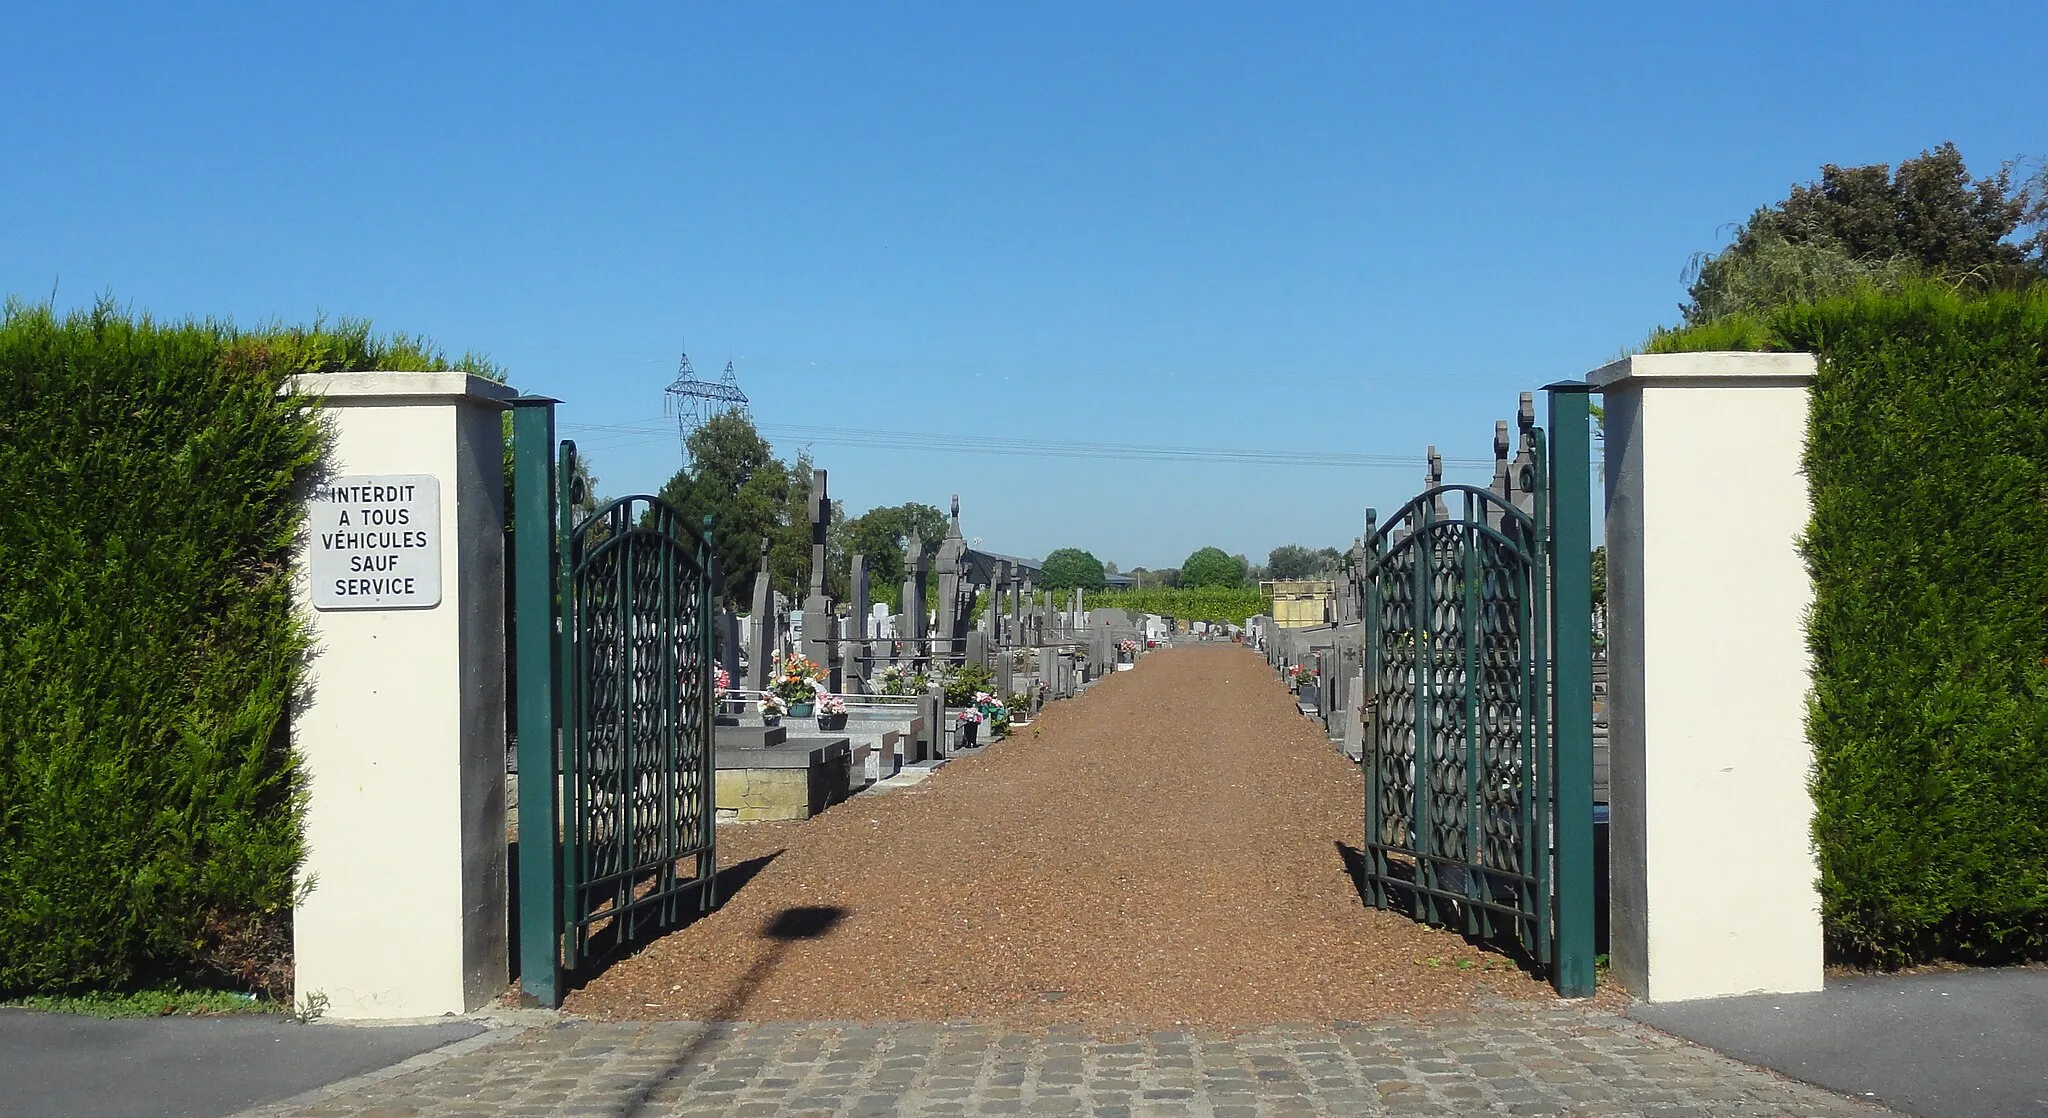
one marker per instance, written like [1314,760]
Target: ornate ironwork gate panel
[637,778]
[1459,768]
[1478,759]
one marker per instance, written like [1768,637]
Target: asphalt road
[1951,1044]
[62,1066]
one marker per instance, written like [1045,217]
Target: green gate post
[1571,512]
[534,591]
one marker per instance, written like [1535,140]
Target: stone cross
[951,619]
[914,605]
[1501,481]
[821,523]
[821,643]
[1522,473]
[1433,477]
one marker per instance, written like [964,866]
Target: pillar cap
[1732,369]
[398,388]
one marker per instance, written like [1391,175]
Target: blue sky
[1346,229]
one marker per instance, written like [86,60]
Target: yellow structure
[751,795]
[1301,603]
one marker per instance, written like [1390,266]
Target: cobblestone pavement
[1510,1060]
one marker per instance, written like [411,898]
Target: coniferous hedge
[149,654]
[1927,455]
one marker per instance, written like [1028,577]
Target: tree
[734,478]
[1209,566]
[1071,568]
[882,536]
[2037,217]
[1292,560]
[1867,225]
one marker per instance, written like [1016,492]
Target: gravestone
[729,645]
[916,627]
[762,644]
[821,642]
[1014,579]
[951,619]
[857,659]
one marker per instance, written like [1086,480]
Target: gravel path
[1163,850]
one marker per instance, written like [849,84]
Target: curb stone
[428,1059]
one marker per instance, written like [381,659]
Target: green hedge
[1200,603]
[1928,458]
[149,825]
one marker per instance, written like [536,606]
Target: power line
[620,435]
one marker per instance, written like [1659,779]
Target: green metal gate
[1478,764]
[615,672]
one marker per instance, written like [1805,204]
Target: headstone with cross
[821,642]
[952,619]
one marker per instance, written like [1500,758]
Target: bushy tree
[735,478]
[882,536]
[1071,568]
[1209,566]
[1294,560]
[1869,226]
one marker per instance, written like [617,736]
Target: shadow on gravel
[609,949]
[1504,945]
[782,929]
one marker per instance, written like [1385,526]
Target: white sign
[376,542]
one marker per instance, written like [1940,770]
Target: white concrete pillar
[1713,878]
[403,729]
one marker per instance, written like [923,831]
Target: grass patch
[173,1002]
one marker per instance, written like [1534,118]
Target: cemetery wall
[1927,457]
[149,800]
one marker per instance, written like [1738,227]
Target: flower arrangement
[992,709]
[829,704]
[1127,646]
[773,705]
[724,682]
[970,717]
[798,679]
[894,680]
[1302,673]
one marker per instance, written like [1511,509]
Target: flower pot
[968,732]
[801,710]
[832,721]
